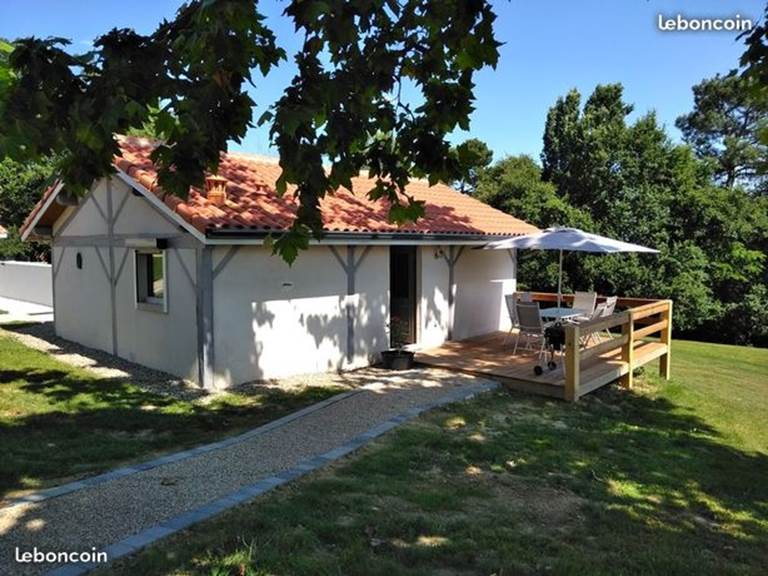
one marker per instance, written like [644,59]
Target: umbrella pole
[560,281]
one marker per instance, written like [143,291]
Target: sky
[550,46]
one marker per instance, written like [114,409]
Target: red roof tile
[252,203]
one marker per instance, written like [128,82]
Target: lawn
[671,478]
[58,422]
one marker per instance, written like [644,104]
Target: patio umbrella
[571,239]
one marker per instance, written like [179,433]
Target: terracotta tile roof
[252,204]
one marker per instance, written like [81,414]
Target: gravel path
[106,513]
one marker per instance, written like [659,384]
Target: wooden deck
[489,356]
[579,370]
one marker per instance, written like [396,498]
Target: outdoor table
[560,313]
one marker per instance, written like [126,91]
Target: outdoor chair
[598,312]
[511,301]
[531,327]
[610,308]
[584,302]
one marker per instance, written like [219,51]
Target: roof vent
[216,190]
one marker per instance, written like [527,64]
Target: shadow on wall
[294,321]
[326,333]
[478,308]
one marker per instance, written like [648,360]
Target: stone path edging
[134,543]
[48,493]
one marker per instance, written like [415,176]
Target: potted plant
[397,357]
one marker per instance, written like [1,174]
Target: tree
[343,107]
[473,156]
[514,185]
[582,149]
[630,181]
[724,128]
[754,63]
[20,186]
[560,133]
[6,75]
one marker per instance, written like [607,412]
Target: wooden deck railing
[637,319]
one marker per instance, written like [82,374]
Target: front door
[402,294]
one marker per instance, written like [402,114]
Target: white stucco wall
[88,221]
[81,298]
[272,320]
[83,313]
[269,320]
[482,278]
[166,341]
[432,291]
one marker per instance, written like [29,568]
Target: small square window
[150,280]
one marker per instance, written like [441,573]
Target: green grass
[58,422]
[671,478]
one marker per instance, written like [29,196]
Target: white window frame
[153,304]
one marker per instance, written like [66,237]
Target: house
[3,233]
[187,285]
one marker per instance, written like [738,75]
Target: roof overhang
[43,215]
[257,237]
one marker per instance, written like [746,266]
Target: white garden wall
[26,281]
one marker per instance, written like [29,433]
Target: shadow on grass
[110,366]
[657,481]
[57,425]
[622,483]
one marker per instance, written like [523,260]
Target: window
[150,280]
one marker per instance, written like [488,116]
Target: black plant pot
[397,359]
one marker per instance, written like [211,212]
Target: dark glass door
[402,293]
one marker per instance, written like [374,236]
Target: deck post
[572,363]
[628,350]
[665,361]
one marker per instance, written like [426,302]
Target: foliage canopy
[629,181]
[189,78]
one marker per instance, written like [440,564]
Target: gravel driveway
[106,513]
